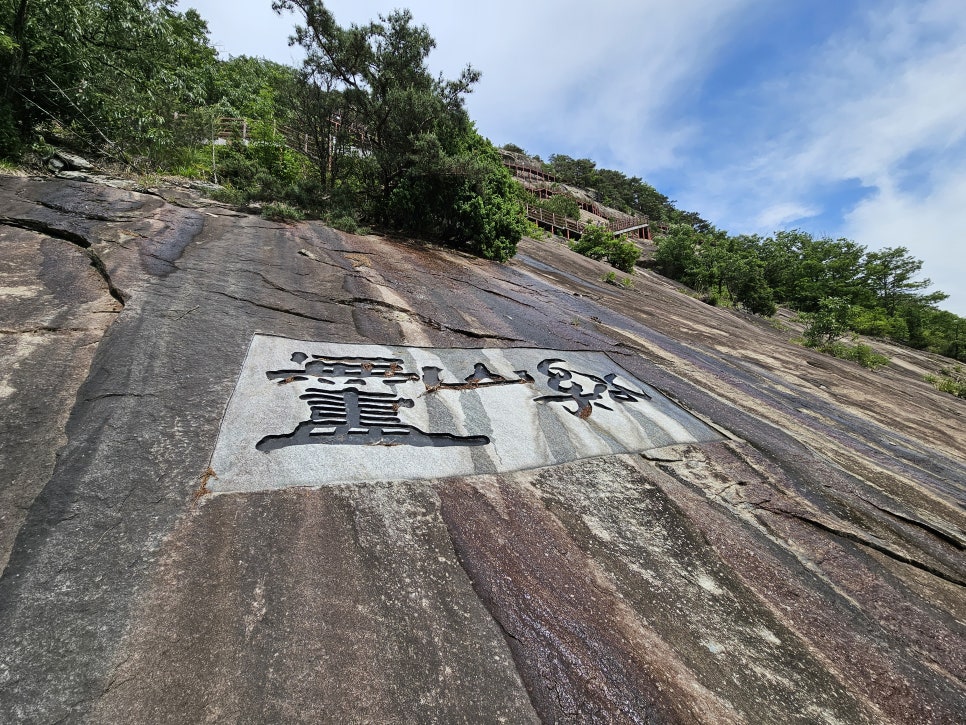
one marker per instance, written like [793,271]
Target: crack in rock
[35,225]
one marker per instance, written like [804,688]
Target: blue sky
[842,118]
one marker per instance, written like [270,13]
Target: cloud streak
[879,98]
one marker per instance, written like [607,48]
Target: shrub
[281,212]
[345,224]
[612,278]
[229,195]
[864,355]
[600,243]
[951,380]
[829,323]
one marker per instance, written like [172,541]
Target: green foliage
[404,152]
[876,322]
[534,231]
[862,354]
[10,143]
[278,211]
[612,278]
[676,254]
[802,270]
[889,275]
[467,199]
[829,323]
[257,89]
[109,74]
[726,268]
[876,293]
[627,194]
[951,380]
[598,242]
[229,195]
[560,204]
[346,224]
[865,356]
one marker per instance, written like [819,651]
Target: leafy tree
[468,199]
[675,256]
[890,273]
[577,172]
[949,334]
[713,261]
[560,204]
[691,218]
[110,72]
[379,74]
[416,161]
[802,270]
[598,242]
[829,322]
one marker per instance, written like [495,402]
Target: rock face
[803,564]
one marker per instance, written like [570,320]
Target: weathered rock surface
[64,161]
[807,567]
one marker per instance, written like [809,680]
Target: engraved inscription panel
[314,414]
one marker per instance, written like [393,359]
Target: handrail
[523,166]
[555,220]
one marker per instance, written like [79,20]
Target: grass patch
[612,278]
[229,195]
[862,354]
[950,380]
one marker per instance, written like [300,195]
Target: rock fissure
[273,308]
[871,544]
[47,229]
[70,237]
[45,329]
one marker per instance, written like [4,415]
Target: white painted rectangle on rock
[314,414]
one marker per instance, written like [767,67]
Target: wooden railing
[573,227]
[556,222]
[524,167]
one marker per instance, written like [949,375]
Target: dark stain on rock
[580,657]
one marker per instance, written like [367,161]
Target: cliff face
[784,544]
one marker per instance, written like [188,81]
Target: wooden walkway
[571,228]
[527,170]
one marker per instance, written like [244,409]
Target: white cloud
[879,94]
[778,215]
[566,77]
[931,227]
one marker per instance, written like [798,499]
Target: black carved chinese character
[561,379]
[481,377]
[352,416]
